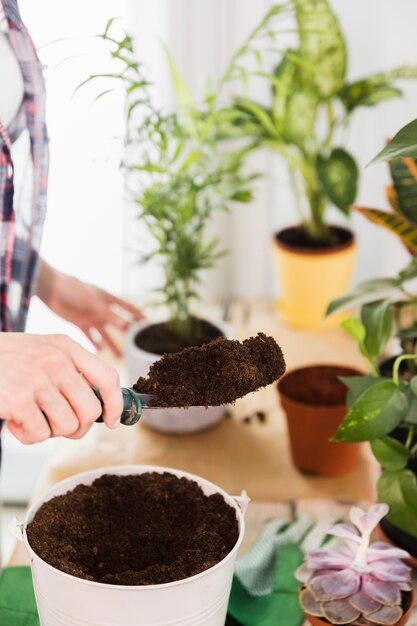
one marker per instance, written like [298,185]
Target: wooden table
[235,454]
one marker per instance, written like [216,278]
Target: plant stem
[397,363]
[409,437]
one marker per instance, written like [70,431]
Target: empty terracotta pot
[314,401]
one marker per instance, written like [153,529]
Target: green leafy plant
[379,405]
[312,101]
[393,293]
[402,195]
[402,145]
[180,171]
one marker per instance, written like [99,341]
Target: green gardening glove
[17,599]
[279,607]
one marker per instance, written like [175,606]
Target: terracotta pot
[384,535]
[318,621]
[314,403]
[310,278]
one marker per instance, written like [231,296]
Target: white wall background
[202,35]
[86,233]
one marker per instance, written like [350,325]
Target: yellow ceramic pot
[311,278]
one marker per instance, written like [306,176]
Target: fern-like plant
[179,173]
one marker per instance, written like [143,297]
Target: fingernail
[116,424]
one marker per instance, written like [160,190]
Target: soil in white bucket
[141,529]
[201,599]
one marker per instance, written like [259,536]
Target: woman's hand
[45,387]
[86,306]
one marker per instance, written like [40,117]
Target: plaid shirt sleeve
[19,248]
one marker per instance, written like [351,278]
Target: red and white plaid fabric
[20,237]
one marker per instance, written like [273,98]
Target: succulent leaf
[304,573]
[344,531]
[310,604]
[323,559]
[381,591]
[342,584]
[386,615]
[391,570]
[364,603]
[340,612]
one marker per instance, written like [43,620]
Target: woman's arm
[86,306]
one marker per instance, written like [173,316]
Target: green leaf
[357,385]
[374,89]
[354,327]
[183,93]
[260,114]
[338,175]
[403,144]
[398,489]
[399,225]
[392,454]
[376,413]
[368,291]
[377,320]
[300,115]
[323,45]
[404,179]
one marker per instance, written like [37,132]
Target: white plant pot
[171,421]
[64,600]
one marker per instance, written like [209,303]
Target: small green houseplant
[383,405]
[312,103]
[179,173]
[354,580]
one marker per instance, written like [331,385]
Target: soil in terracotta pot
[134,530]
[296,237]
[161,339]
[216,373]
[317,385]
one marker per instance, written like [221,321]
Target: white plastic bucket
[171,421]
[64,600]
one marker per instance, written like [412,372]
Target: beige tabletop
[235,454]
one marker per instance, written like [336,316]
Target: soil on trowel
[161,339]
[134,530]
[217,373]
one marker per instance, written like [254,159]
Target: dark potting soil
[216,373]
[296,237]
[161,339]
[399,537]
[134,530]
[317,385]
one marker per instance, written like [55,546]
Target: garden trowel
[133,403]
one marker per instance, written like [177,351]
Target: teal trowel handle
[132,406]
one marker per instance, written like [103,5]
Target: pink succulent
[356,582]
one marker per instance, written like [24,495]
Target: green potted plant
[312,102]
[383,405]
[178,175]
[354,581]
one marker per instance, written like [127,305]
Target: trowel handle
[132,406]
